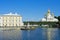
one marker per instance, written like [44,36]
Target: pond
[37,34]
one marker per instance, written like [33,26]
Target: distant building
[49,17]
[11,20]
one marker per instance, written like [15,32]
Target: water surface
[37,34]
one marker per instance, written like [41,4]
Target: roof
[11,14]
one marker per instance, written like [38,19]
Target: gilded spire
[48,11]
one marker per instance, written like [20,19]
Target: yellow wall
[11,21]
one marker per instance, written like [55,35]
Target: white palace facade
[49,17]
[11,20]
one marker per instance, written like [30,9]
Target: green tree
[56,17]
[59,18]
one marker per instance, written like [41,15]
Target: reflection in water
[38,34]
[10,35]
[51,33]
[25,35]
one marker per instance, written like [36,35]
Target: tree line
[58,19]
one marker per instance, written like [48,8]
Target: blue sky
[32,10]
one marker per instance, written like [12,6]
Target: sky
[30,10]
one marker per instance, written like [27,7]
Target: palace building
[49,17]
[11,20]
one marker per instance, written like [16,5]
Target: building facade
[11,20]
[49,17]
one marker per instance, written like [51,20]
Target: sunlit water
[37,34]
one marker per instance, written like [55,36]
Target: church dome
[49,17]
[43,19]
[48,12]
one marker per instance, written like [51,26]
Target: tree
[56,17]
[59,18]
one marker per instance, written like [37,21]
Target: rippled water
[37,34]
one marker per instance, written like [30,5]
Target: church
[49,17]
